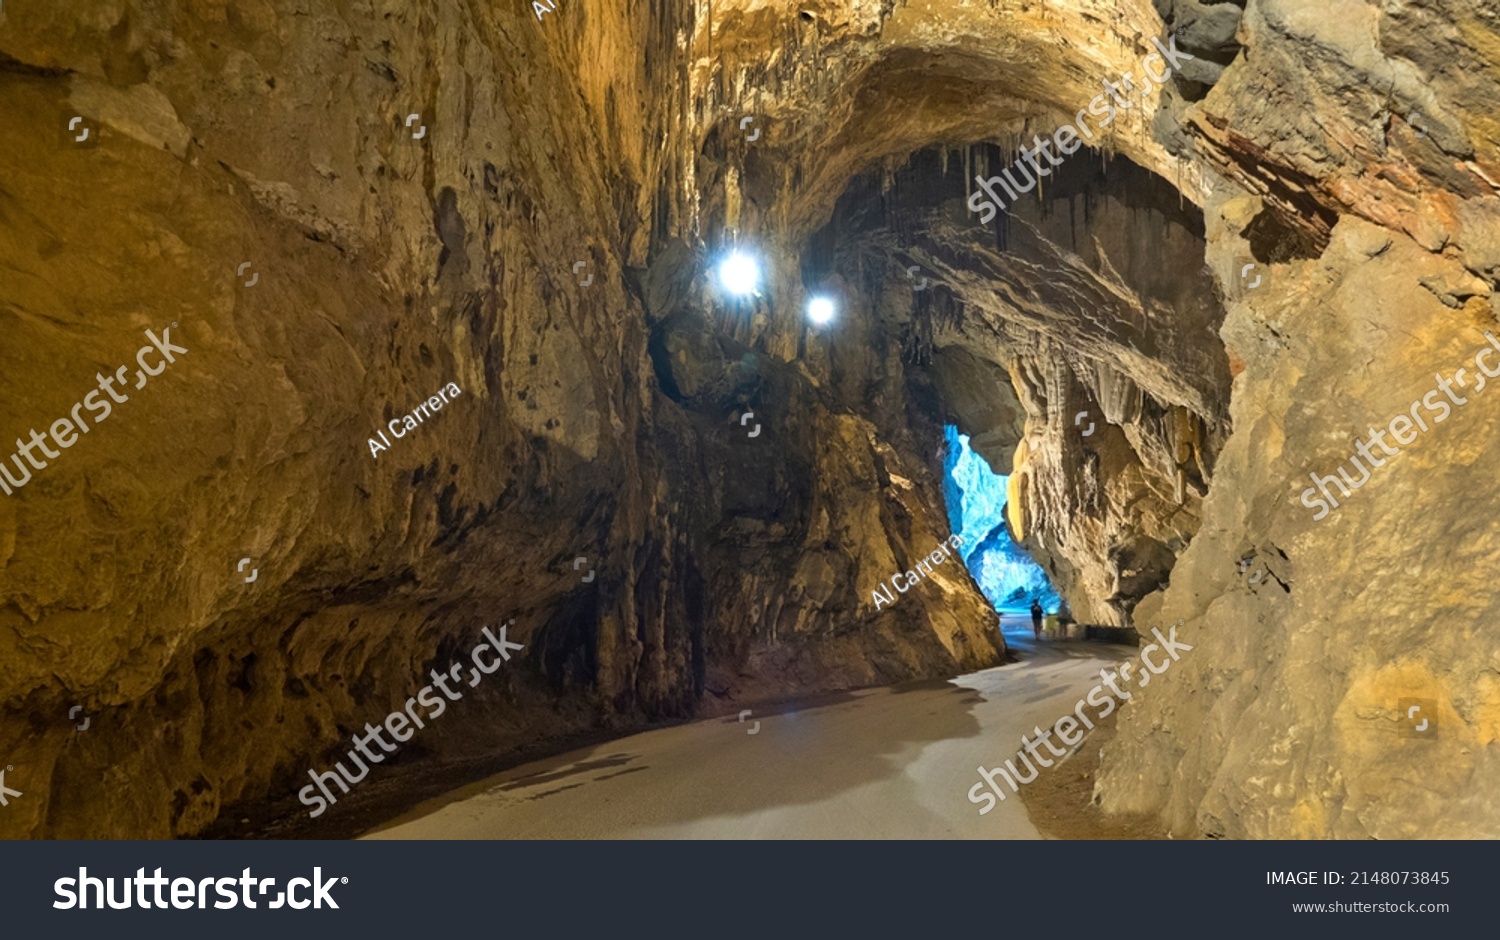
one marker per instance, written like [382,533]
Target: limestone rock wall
[426,194]
[1289,717]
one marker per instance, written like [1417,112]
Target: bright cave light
[739,274]
[820,311]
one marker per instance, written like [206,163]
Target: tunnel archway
[1075,339]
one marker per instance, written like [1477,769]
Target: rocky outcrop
[1291,717]
[424,195]
[339,211]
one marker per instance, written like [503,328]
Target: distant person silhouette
[1036,618]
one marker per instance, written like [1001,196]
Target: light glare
[820,311]
[739,274]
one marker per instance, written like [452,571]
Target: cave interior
[456,348]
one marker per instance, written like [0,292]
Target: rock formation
[340,209]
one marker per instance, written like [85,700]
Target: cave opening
[975,495]
[1075,339]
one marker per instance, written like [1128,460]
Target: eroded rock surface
[421,192]
[1289,718]
[528,208]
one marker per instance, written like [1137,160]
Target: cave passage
[975,498]
[684,307]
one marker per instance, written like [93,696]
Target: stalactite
[1055,389]
[968,173]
